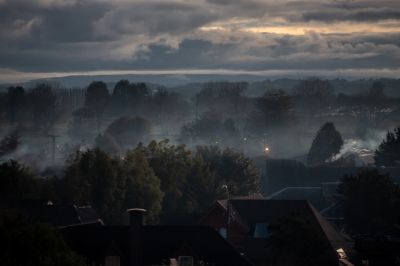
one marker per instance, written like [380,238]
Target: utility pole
[53,138]
[228,220]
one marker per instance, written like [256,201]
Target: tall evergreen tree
[326,144]
[388,152]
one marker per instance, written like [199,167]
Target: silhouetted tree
[210,128]
[370,202]
[376,91]
[43,103]
[202,187]
[171,164]
[17,182]
[168,108]
[16,104]
[97,96]
[142,186]
[312,95]
[326,144]
[274,111]
[388,152]
[126,133]
[130,98]
[90,179]
[96,99]
[9,144]
[111,185]
[295,240]
[231,168]
[221,95]
[41,244]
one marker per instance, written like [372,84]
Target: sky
[45,38]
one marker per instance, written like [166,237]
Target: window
[261,230]
[112,261]
[222,232]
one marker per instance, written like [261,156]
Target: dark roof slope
[312,194]
[159,243]
[270,211]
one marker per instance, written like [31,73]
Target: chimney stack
[136,216]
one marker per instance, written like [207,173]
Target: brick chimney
[136,236]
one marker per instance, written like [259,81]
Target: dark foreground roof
[159,243]
[252,212]
[43,211]
[312,194]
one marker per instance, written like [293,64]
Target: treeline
[34,108]
[221,113]
[160,177]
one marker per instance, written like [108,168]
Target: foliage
[111,185]
[370,202]
[191,182]
[17,182]
[168,107]
[90,180]
[224,96]
[388,152]
[9,144]
[171,164]
[295,240]
[129,98]
[326,144]
[97,96]
[274,111]
[142,189]
[43,105]
[210,129]
[314,87]
[16,104]
[376,91]
[33,244]
[232,168]
[125,133]
[313,95]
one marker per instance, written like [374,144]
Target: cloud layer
[250,35]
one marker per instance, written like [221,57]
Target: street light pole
[228,221]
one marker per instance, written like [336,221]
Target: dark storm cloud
[351,15]
[82,35]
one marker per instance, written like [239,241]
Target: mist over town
[211,132]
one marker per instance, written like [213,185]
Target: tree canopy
[294,240]
[124,133]
[30,244]
[326,144]
[111,185]
[388,152]
[17,182]
[274,111]
[370,202]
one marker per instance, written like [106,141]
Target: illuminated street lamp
[266,151]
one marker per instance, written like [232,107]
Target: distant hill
[189,84]
[167,80]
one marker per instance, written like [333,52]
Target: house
[245,223]
[138,244]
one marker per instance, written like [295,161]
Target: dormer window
[261,230]
[222,232]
